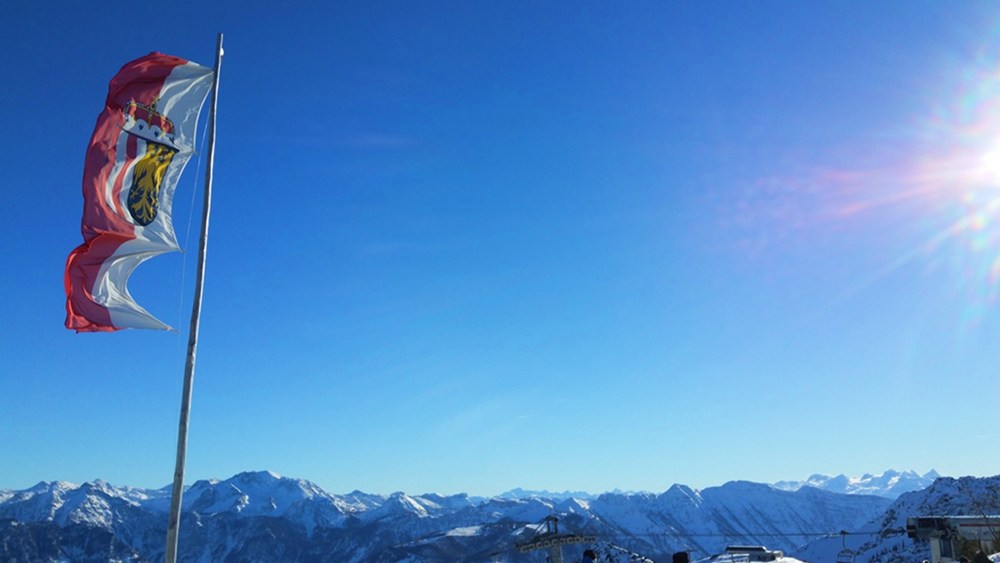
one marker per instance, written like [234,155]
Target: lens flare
[989,164]
[939,187]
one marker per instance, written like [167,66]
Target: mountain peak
[889,484]
[263,476]
[49,486]
[520,493]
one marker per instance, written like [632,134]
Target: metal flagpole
[182,430]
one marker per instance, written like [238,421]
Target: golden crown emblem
[145,122]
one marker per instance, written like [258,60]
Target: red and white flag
[143,139]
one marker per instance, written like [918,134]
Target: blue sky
[459,246]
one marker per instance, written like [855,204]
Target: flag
[143,139]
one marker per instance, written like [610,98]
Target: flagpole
[174,518]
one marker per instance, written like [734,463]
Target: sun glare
[944,184]
[989,166]
[962,172]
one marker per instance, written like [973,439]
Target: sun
[947,186]
[988,169]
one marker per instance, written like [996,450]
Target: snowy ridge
[884,539]
[257,493]
[889,484]
[520,494]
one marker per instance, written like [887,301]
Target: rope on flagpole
[173,520]
[187,230]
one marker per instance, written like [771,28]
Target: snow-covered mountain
[884,539]
[519,493]
[889,484]
[261,516]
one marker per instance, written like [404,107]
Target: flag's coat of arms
[141,144]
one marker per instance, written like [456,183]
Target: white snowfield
[888,484]
[464,531]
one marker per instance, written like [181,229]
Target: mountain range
[262,516]
[889,484]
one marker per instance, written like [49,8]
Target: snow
[886,534]
[523,494]
[889,484]
[573,506]
[464,531]
[411,504]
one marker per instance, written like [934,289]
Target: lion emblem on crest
[148,124]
